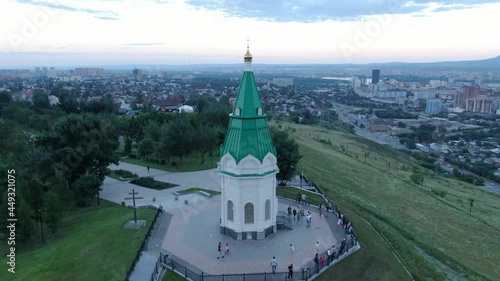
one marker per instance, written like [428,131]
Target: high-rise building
[88,71]
[466,93]
[137,72]
[433,106]
[248,167]
[481,104]
[375,76]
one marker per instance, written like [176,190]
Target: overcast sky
[103,32]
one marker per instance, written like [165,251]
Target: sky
[123,32]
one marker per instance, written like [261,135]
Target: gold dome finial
[248,56]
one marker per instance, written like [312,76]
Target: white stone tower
[248,167]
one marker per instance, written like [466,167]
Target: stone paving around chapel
[190,232]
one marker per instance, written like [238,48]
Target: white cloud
[175,31]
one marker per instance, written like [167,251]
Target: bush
[150,182]
[125,174]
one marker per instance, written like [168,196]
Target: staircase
[283,221]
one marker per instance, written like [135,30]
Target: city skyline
[63,33]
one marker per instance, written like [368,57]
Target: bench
[204,193]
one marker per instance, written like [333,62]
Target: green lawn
[172,276]
[427,225]
[91,245]
[189,163]
[196,189]
[292,193]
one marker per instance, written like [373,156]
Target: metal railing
[311,268]
[307,271]
[143,246]
[284,219]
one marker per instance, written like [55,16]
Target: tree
[287,151]
[5,97]
[40,99]
[205,140]
[85,189]
[77,142]
[52,210]
[128,146]
[146,148]
[178,136]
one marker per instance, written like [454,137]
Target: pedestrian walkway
[147,261]
[194,234]
[116,190]
[190,232]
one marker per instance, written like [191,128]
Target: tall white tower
[248,167]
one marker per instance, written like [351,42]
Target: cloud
[145,44]
[106,18]
[321,10]
[100,14]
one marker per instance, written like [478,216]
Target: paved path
[115,190]
[191,232]
[193,236]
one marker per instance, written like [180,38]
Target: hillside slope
[427,225]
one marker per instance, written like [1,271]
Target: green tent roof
[248,132]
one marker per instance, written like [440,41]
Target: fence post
[265,276]
[202,276]
[243,276]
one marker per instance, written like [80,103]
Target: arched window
[230,210]
[248,213]
[267,210]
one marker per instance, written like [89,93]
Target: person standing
[328,256]
[227,249]
[219,250]
[320,209]
[148,169]
[334,252]
[290,271]
[289,211]
[342,246]
[317,247]
[316,262]
[322,261]
[292,248]
[294,213]
[274,264]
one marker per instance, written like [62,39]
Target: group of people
[331,254]
[274,265]
[296,214]
[345,223]
[222,254]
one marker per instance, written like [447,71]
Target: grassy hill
[92,244]
[428,226]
